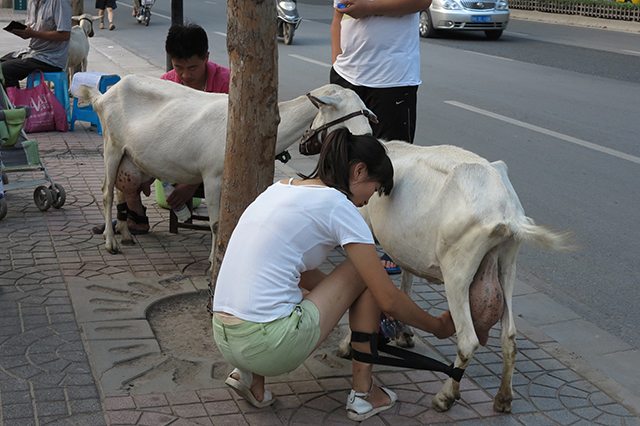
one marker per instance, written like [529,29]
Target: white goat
[156,128]
[454,218]
[79,44]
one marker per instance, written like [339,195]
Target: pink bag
[47,113]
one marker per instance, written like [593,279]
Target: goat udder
[486,299]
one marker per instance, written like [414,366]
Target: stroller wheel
[43,197]
[59,195]
[3,208]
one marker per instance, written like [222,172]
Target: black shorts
[103,4]
[395,108]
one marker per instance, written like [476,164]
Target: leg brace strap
[122,211]
[405,358]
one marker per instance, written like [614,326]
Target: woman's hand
[446,327]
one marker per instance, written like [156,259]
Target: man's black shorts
[103,4]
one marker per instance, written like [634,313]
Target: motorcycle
[144,12]
[288,19]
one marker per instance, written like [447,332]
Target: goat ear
[372,117]
[319,101]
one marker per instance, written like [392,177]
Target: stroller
[19,154]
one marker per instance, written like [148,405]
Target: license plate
[483,19]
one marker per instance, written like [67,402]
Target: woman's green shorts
[273,348]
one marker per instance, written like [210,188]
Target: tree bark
[253,118]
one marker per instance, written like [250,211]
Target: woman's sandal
[359,410]
[242,387]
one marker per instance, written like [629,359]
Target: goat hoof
[112,249]
[405,341]
[127,242]
[343,352]
[443,402]
[502,406]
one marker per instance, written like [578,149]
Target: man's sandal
[359,410]
[242,387]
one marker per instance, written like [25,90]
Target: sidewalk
[90,338]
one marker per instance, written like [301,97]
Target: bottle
[183,212]
[392,329]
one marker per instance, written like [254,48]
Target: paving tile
[208,395]
[153,400]
[218,408]
[231,420]
[155,419]
[177,398]
[125,417]
[190,410]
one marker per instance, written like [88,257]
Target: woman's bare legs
[333,294]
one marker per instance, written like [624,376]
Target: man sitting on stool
[48,30]
[188,48]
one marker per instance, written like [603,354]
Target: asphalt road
[558,104]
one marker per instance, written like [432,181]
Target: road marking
[219,33]
[518,34]
[490,56]
[547,132]
[633,52]
[313,61]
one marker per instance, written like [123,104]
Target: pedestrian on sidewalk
[48,29]
[109,5]
[263,324]
[375,51]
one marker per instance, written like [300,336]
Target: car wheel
[426,26]
[493,34]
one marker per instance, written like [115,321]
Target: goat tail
[88,93]
[545,238]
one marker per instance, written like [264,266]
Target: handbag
[47,113]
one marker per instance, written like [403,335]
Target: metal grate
[478,5]
[606,11]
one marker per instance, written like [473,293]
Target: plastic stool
[60,87]
[86,113]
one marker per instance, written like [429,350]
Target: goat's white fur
[448,209]
[177,134]
[79,44]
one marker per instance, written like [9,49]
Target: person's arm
[181,195]
[335,35]
[43,35]
[392,301]
[362,8]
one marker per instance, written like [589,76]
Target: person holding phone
[48,29]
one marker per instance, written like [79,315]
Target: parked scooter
[144,12]
[288,19]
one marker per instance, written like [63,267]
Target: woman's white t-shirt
[287,230]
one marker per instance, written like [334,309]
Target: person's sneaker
[112,27]
[102,25]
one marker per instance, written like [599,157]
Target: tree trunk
[253,113]
[77,7]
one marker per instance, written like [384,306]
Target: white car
[491,16]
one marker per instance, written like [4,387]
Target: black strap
[122,211]
[283,157]
[139,219]
[405,358]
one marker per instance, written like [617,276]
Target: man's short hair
[186,41]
